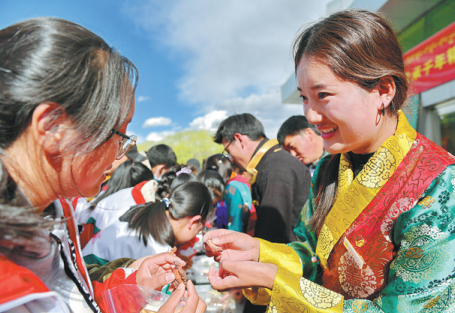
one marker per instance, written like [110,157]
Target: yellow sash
[353,195]
[251,168]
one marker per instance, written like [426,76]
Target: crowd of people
[348,210]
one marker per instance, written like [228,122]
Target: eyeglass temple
[121,134]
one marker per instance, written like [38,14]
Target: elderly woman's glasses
[126,143]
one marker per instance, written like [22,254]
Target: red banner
[432,62]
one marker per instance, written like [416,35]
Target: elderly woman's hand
[156,271]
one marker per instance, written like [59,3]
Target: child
[176,175]
[127,175]
[130,184]
[215,184]
[153,228]
[241,213]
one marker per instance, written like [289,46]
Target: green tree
[188,144]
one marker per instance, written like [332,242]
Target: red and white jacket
[23,291]
[111,208]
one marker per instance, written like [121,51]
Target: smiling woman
[376,234]
[65,98]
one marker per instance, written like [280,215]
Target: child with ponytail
[153,228]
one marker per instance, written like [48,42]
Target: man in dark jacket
[280,182]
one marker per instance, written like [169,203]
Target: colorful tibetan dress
[239,202]
[387,244]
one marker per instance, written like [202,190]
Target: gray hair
[51,60]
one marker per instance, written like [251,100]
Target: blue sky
[199,61]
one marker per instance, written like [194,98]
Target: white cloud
[157,121]
[142,98]
[235,54]
[209,121]
[157,136]
[229,45]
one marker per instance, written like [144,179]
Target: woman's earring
[383,110]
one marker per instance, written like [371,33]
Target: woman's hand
[193,304]
[157,270]
[242,274]
[236,246]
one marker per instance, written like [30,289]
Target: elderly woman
[66,99]
[377,232]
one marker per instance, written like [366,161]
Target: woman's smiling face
[344,113]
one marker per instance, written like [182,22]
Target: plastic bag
[134,299]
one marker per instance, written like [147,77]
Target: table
[198,274]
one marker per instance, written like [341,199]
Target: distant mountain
[188,144]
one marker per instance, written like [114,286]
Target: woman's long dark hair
[18,220]
[186,200]
[327,181]
[51,60]
[360,47]
[127,175]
